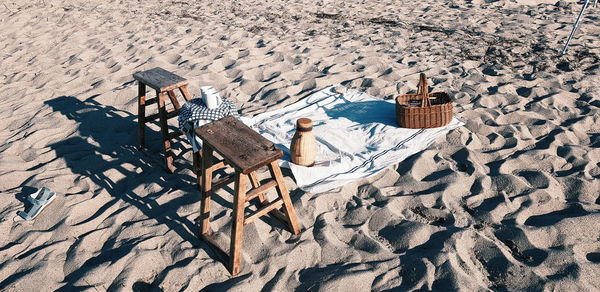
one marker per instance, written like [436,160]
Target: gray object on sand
[576,24]
[40,200]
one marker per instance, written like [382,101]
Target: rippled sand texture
[510,201]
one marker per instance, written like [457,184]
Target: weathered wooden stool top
[242,148]
[160,79]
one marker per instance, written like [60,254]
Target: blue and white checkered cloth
[194,113]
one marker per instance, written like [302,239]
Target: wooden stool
[164,82]
[246,151]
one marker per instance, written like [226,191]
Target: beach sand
[510,201]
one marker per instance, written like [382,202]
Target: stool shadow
[102,149]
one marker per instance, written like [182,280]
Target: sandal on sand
[40,200]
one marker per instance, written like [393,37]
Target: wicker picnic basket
[424,109]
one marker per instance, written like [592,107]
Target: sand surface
[510,201]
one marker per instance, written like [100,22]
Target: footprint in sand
[501,272]
[593,257]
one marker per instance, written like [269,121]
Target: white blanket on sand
[357,136]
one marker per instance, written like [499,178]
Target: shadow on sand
[104,149]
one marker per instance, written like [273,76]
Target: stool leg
[185,93]
[283,193]
[197,167]
[206,187]
[173,99]
[237,230]
[141,114]
[164,128]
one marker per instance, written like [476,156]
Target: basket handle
[423,91]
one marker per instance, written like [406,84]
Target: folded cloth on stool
[195,113]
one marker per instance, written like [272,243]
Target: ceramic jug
[303,149]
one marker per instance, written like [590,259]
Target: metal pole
[576,25]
